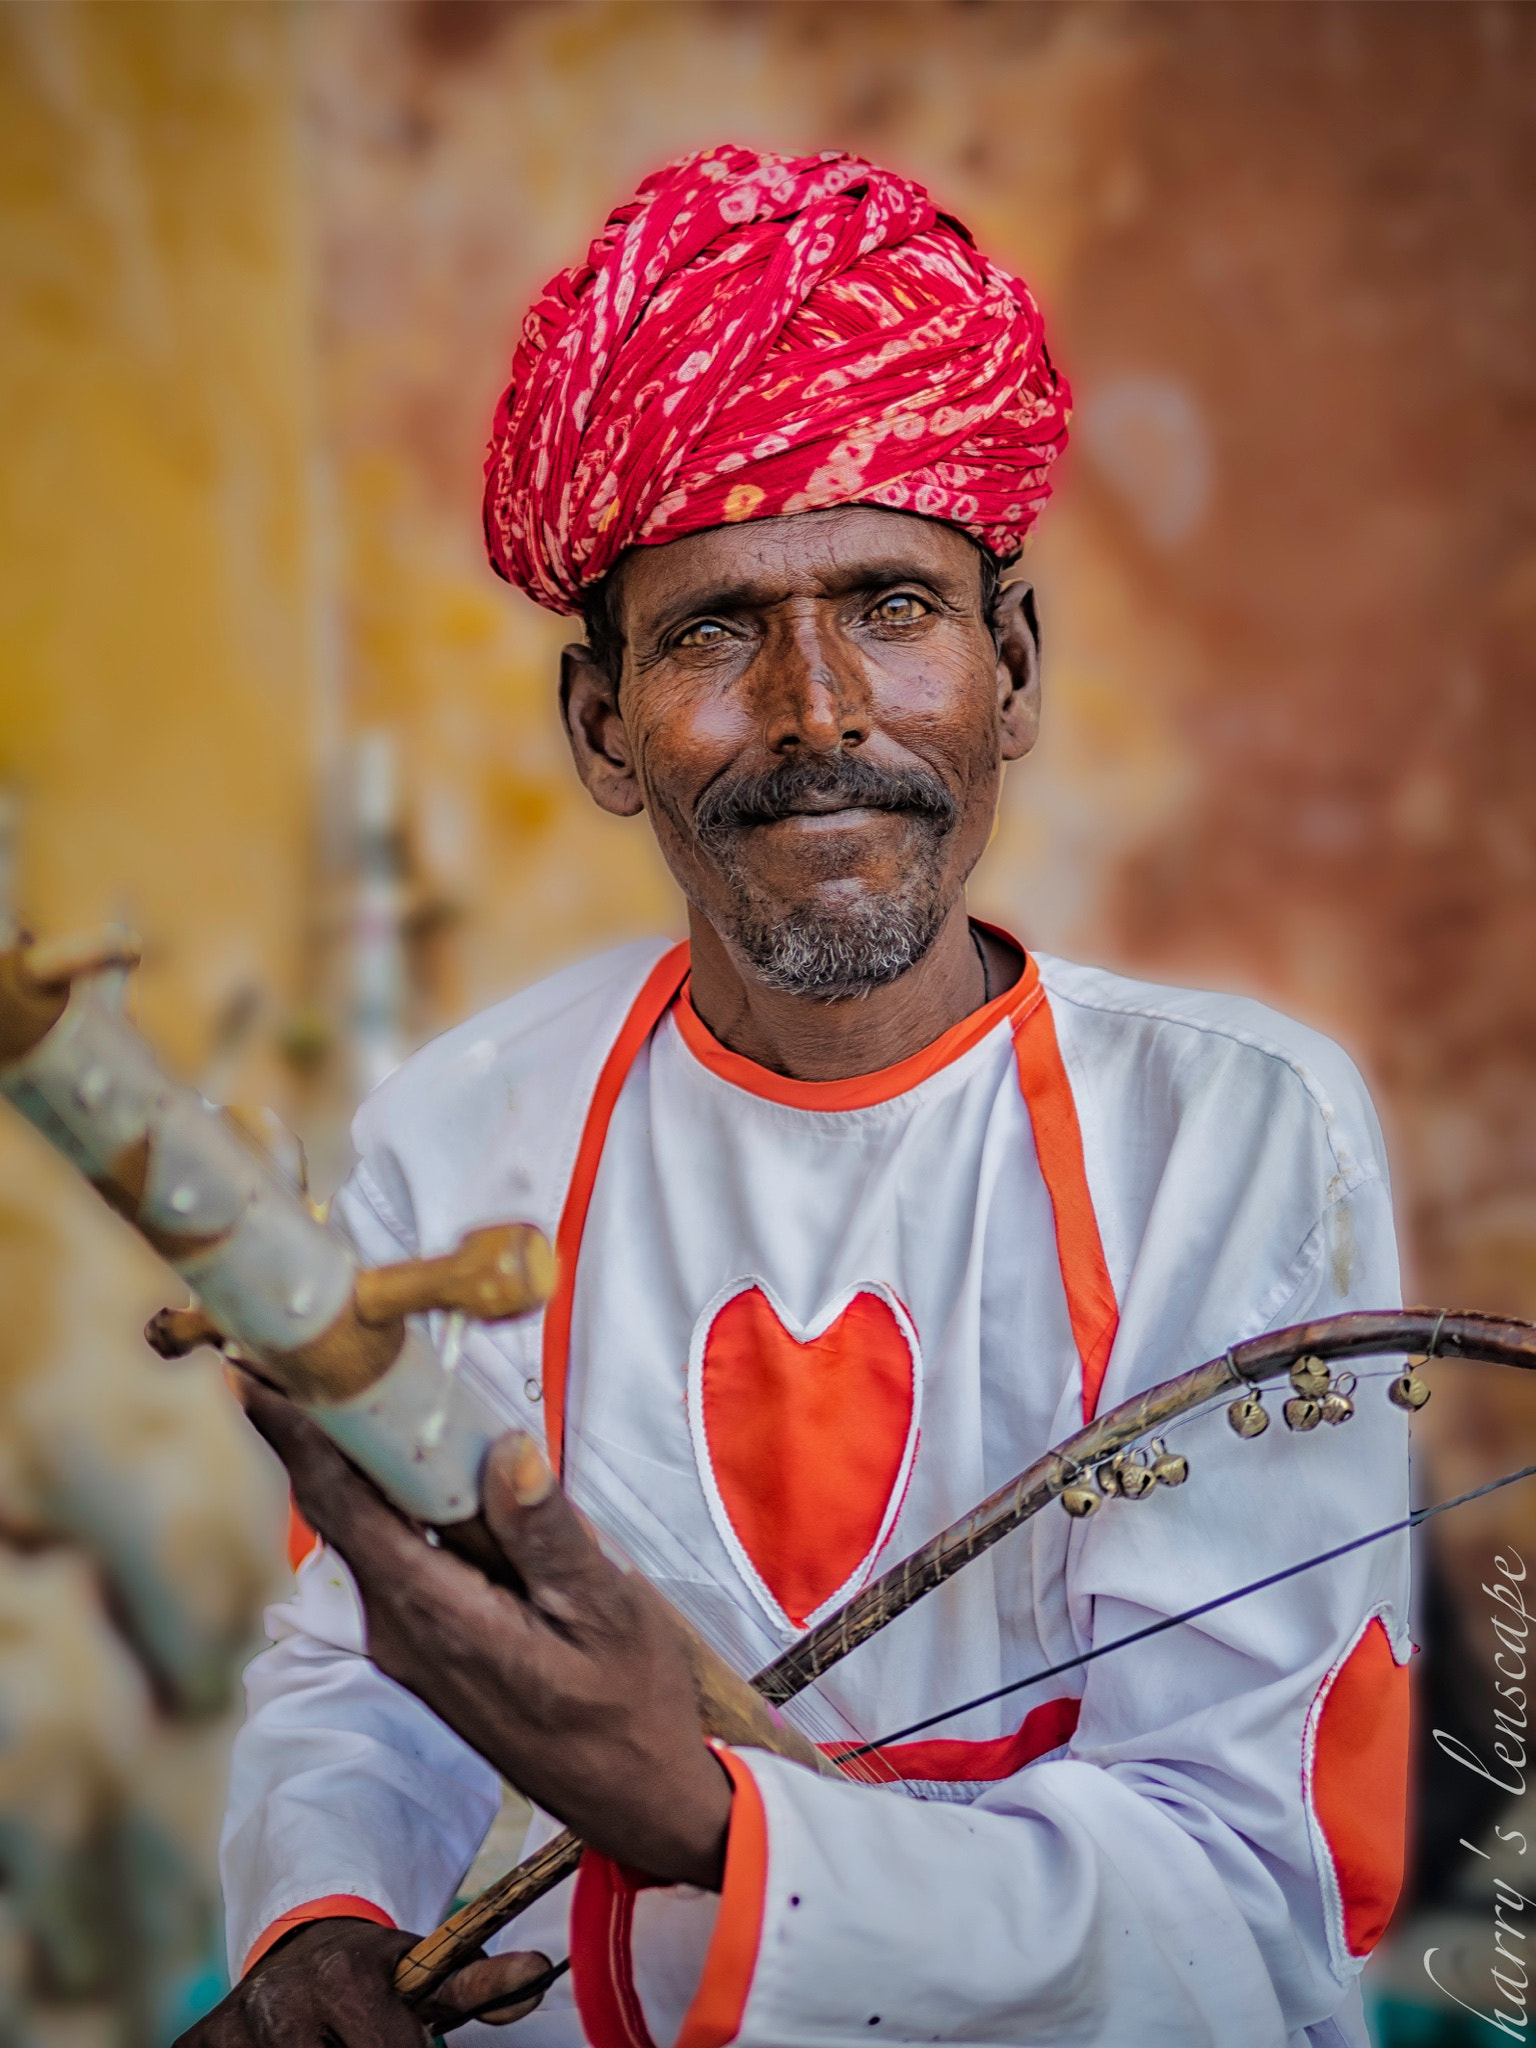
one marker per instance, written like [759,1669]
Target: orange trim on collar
[857,1091]
[645,1013]
[1047,1091]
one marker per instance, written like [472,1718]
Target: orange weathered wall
[1288,582]
[265,265]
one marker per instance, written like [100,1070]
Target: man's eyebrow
[748,596]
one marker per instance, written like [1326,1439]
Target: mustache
[848,779]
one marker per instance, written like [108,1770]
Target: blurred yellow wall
[159,667]
[158,604]
[160,693]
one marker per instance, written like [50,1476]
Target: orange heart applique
[804,1438]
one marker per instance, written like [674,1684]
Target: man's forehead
[825,551]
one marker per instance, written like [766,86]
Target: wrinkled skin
[851,634]
[572,1685]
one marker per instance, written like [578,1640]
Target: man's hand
[573,1685]
[330,1985]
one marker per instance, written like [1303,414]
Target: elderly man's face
[814,711]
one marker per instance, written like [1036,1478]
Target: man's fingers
[331,1494]
[224,2027]
[553,1551]
[495,1989]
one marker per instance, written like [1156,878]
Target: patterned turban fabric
[756,335]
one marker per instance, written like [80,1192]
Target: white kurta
[810,1326]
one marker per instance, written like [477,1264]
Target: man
[859,1207]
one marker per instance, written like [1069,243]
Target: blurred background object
[259,694]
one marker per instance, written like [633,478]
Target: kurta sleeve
[347,1795]
[1208,1860]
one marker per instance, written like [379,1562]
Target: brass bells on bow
[1409,1390]
[1316,1396]
[1129,1474]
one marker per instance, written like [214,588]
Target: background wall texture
[262,267]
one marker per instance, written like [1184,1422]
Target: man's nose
[815,694]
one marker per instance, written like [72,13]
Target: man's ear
[1016,630]
[600,746]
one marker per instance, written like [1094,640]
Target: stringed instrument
[280,1293]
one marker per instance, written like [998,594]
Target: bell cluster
[1129,1475]
[1317,1395]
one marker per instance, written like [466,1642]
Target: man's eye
[702,633]
[899,609]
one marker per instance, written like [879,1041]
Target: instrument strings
[828,1724]
[1157,1628]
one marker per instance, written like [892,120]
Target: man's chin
[837,945]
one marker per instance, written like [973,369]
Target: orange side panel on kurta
[1360,1784]
[806,1440]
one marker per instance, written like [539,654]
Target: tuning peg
[1168,1467]
[173,1332]
[1249,1416]
[1409,1391]
[496,1273]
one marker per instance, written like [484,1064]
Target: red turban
[755,335]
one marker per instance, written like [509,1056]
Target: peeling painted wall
[264,265]
[1288,579]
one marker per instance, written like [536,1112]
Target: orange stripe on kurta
[602,1933]
[645,1013]
[1047,1092]
[1059,1147]
[715,2016]
[301,1538]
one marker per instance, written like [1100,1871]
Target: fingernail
[237,1382]
[532,1480]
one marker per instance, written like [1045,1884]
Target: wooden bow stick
[1092,1466]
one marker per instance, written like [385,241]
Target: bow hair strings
[1168,1621]
[657,1549]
